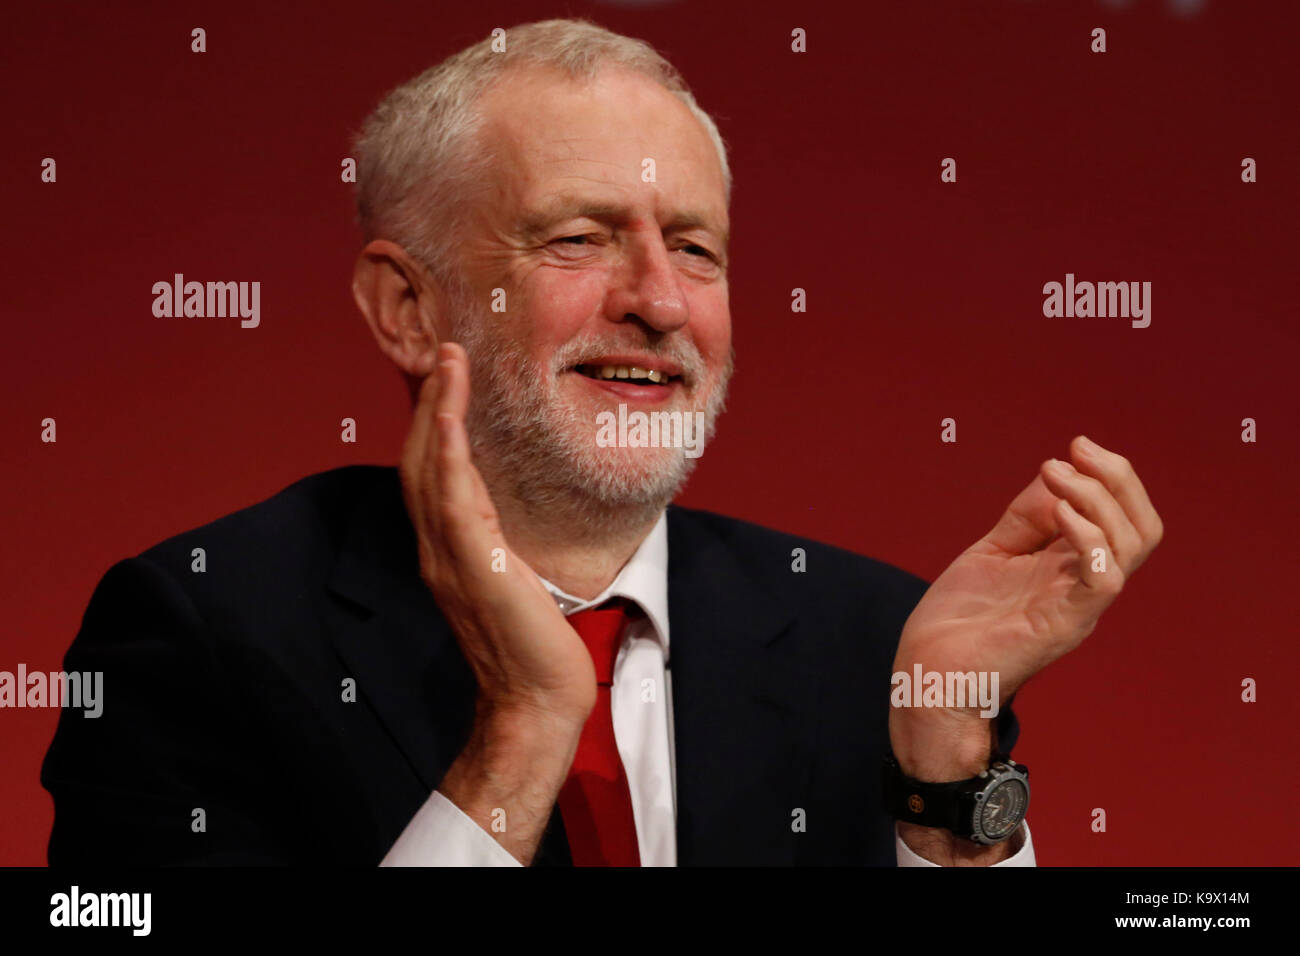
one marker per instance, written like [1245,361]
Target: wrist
[509,774]
[513,754]
[941,746]
[944,848]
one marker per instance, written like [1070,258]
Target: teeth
[628,372]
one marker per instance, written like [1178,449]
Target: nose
[646,288]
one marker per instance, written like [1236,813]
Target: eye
[576,247]
[578,241]
[698,252]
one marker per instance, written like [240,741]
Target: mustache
[679,351]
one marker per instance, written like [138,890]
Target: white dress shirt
[440,834]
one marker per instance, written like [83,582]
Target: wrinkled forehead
[619,136]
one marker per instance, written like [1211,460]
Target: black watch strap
[927,804]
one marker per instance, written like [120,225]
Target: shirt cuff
[441,834]
[1023,856]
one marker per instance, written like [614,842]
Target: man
[519,653]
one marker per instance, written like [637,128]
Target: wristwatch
[985,809]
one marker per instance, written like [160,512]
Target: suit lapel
[740,692]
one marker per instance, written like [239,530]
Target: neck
[579,550]
[577,540]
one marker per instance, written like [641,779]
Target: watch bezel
[1000,774]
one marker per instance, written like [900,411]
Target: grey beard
[523,441]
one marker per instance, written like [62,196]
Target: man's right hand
[536,680]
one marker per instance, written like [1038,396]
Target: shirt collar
[644,579]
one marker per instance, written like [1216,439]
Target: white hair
[417,161]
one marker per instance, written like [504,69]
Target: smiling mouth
[631,374]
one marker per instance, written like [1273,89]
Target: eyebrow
[560,207]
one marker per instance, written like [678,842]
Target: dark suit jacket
[223,692]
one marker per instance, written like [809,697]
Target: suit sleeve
[163,775]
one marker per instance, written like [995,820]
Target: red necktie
[595,801]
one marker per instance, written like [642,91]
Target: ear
[401,303]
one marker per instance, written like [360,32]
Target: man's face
[603,274]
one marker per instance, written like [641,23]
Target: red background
[924,301]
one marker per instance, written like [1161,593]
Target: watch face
[1003,809]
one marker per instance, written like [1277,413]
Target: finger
[1028,523]
[1090,498]
[433,463]
[457,403]
[417,477]
[1100,577]
[453,453]
[1119,477]
[455,399]
[462,507]
[415,448]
